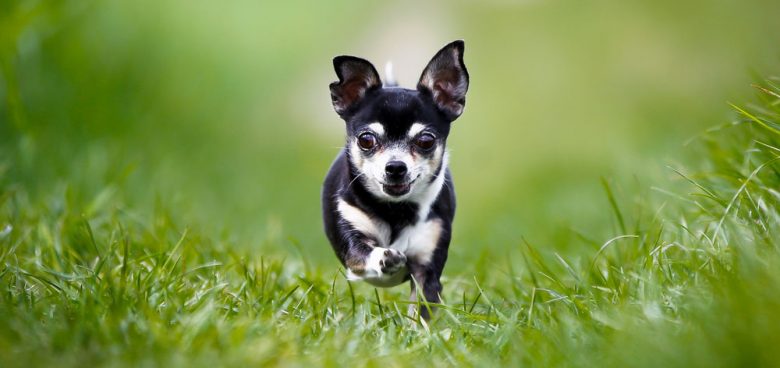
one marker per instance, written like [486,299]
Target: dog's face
[397,143]
[396,137]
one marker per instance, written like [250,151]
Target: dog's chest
[418,241]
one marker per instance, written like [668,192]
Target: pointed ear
[356,77]
[446,80]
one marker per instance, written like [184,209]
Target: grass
[690,278]
[159,181]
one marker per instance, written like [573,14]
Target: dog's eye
[425,141]
[367,141]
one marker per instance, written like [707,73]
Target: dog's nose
[395,169]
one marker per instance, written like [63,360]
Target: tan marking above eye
[415,129]
[377,128]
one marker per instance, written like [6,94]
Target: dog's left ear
[447,80]
[356,77]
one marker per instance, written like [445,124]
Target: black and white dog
[388,200]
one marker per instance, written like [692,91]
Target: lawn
[160,166]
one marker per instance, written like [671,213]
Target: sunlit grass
[160,166]
[690,278]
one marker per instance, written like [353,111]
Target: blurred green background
[220,110]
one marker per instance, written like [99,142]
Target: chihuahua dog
[388,201]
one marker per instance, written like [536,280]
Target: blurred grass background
[140,119]
[221,110]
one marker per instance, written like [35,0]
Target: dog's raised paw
[392,261]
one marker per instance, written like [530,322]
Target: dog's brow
[377,128]
[415,129]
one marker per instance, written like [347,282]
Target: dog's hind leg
[426,288]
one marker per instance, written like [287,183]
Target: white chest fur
[416,241]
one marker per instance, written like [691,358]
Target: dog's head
[396,137]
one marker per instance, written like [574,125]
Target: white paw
[383,268]
[391,260]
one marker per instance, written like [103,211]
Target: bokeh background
[220,111]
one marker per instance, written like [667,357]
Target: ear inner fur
[446,79]
[356,77]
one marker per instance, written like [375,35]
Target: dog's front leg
[367,261]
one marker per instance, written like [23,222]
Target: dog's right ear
[356,77]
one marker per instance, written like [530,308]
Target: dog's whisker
[353,180]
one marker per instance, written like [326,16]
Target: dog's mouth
[397,190]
